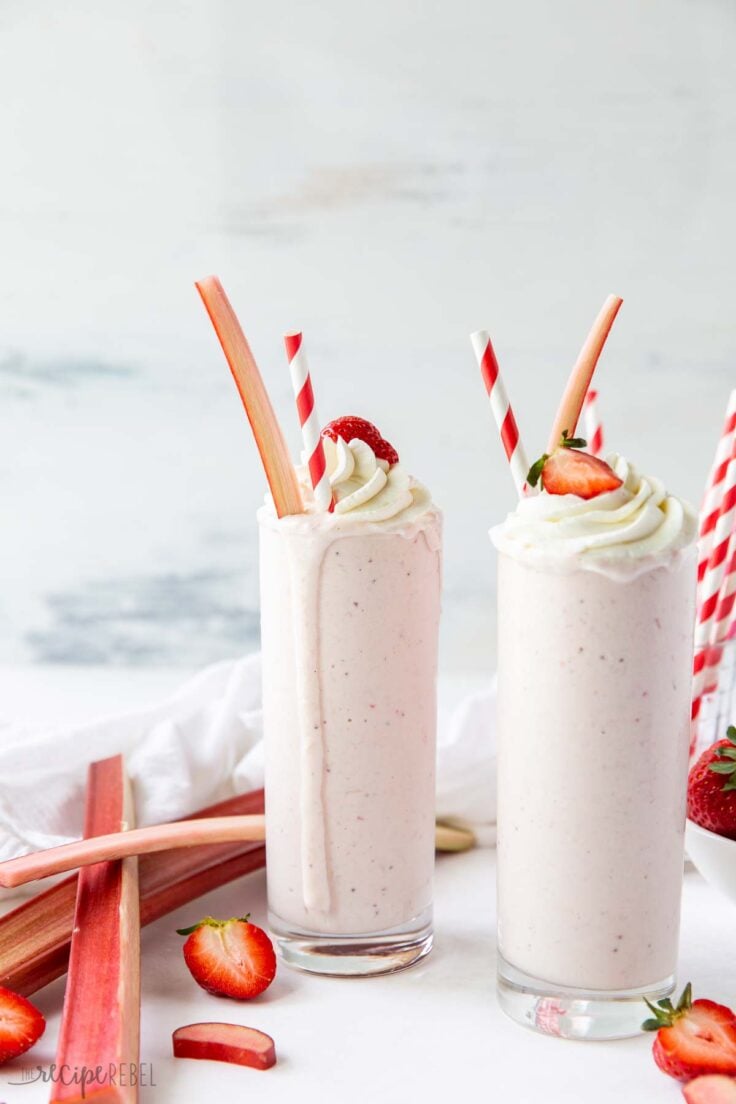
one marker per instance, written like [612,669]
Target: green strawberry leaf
[535,470]
[722,768]
[572,442]
[665,1013]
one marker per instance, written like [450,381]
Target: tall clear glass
[349,638]
[594,689]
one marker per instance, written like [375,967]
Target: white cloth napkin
[202,745]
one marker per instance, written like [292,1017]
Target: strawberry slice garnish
[350,427]
[569,470]
[693,1038]
[711,787]
[21,1025]
[230,958]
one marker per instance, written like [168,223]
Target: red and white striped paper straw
[593,425]
[501,408]
[723,620]
[308,420]
[712,580]
[714,489]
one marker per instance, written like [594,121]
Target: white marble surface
[434,1033]
[387,177]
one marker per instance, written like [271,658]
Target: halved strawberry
[578,473]
[569,470]
[230,958]
[350,426]
[693,1038]
[711,787]
[21,1025]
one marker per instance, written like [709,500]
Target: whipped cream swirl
[366,488]
[617,532]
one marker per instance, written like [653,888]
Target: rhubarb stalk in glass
[269,439]
[573,398]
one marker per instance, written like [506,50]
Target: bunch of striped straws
[715,622]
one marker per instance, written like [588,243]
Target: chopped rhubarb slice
[100,1023]
[35,937]
[224,1042]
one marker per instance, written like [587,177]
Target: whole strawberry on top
[693,1037]
[351,427]
[711,787]
[229,958]
[569,470]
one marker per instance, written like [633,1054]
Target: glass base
[572,1013]
[382,952]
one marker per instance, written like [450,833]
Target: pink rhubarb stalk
[577,386]
[266,430]
[101,1018]
[138,841]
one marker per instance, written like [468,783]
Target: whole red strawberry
[351,426]
[711,787]
[693,1038]
[230,958]
[21,1025]
[569,470]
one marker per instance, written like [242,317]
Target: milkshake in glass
[350,606]
[595,632]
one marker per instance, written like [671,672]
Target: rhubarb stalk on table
[108,846]
[100,1027]
[35,937]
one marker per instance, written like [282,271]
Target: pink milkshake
[596,606]
[350,611]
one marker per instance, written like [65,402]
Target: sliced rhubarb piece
[224,1042]
[35,937]
[266,430]
[567,416]
[139,841]
[100,1024]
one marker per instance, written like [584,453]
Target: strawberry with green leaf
[569,470]
[693,1037]
[711,788]
[229,958]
